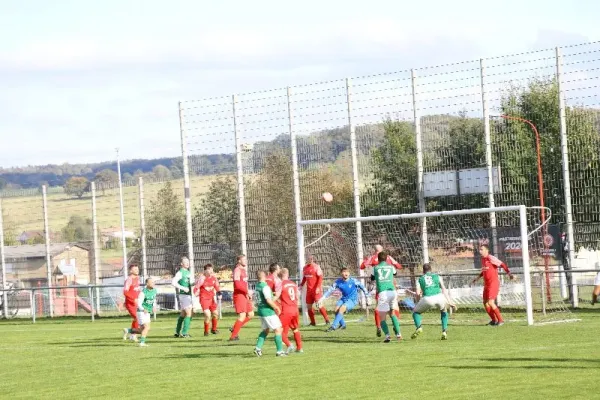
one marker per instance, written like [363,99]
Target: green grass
[74,359]
[23,213]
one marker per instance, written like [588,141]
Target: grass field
[74,359]
[24,213]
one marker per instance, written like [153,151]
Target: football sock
[396,323]
[284,337]
[278,343]
[444,321]
[179,324]
[397,313]
[246,321]
[498,315]
[377,320]
[261,339]
[491,313]
[298,339]
[339,317]
[385,328]
[311,315]
[206,327]
[215,322]
[323,312]
[186,325]
[236,328]
[417,319]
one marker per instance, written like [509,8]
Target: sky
[80,78]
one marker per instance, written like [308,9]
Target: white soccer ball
[327,197]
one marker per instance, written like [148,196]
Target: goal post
[454,238]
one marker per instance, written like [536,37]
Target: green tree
[3,183]
[127,177]
[78,229]
[76,186]
[161,172]
[10,230]
[106,179]
[166,218]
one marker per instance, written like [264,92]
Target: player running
[367,265]
[146,302]
[432,293]
[268,312]
[289,316]
[491,284]
[596,291]
[387,297]
[349,288]
[131,289]
[183,281]
[242,297]
[207,289]
[312,277]
[273,279]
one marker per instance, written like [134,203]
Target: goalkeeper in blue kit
[349,288]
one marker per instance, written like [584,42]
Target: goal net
[451,243]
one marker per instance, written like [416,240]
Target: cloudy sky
[79,78]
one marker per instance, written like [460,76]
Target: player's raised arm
[175,282]
[361,287]
[332,289]
[198,284]
[390,260]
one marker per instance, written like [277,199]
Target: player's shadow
[531,359]
[209,355]
[500,367]
[339,338]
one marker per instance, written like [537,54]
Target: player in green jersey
[183,282]
[146,302]
[268,311]
[387,297]
[433,294]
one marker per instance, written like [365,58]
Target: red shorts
[313,297]
[289,320]
[131,308]
[242,304]
[491,290]
[208,304]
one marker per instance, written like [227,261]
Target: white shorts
[597,280]
[270,322]
[387,300]
[143,318]
[428,302]
[185,301]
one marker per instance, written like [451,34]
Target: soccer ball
[328,197]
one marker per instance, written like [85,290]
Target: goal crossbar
[412,216]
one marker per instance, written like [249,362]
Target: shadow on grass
[531,359]
[209,355]
[500,367]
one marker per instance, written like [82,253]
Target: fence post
[488,157]
[355,182]
[240,180]
[143,227]
[33,310]
[3,264]
[420,180]
[122,213]
[91,296]
[187,193]
[297,205]
[48,255]
[564,149]
[96,247]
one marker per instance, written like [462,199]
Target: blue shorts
[349,303]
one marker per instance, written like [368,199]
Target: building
[111,237]
[26,265]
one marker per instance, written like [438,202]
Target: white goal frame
[522,210]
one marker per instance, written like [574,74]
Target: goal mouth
[451,241]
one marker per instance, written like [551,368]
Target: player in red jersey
[207,288]
[242,297]
[491,284]
[312,276]
[273,280]
[596,291]
[367,265]
[131,290]
[289,316]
